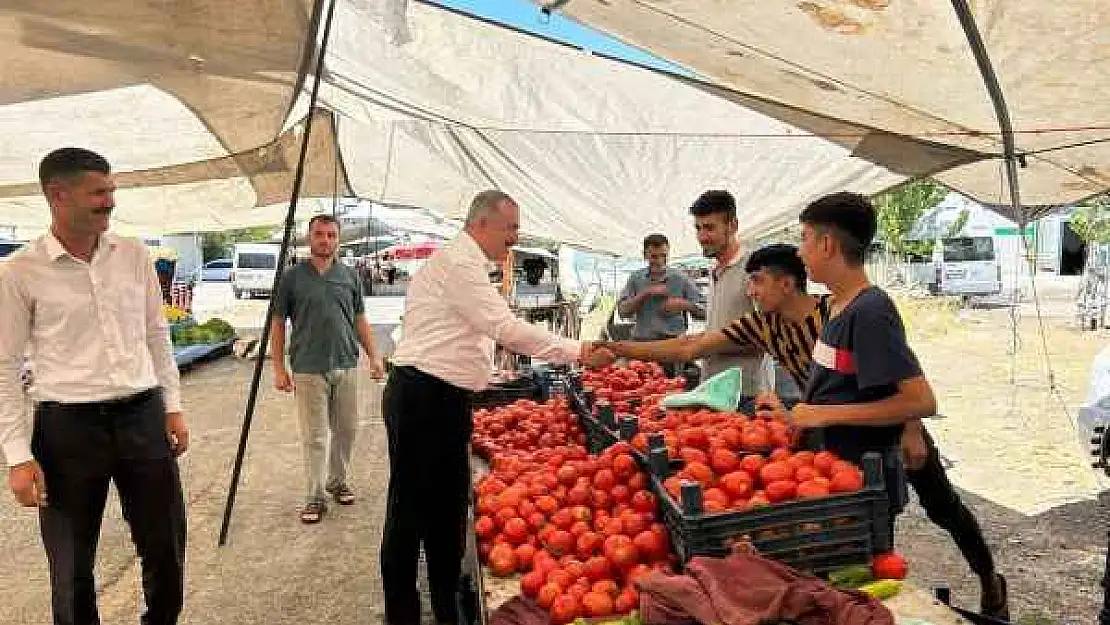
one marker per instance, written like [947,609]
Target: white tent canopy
[907,68]
[427,106]
[597,152]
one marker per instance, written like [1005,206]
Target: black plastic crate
[815,535]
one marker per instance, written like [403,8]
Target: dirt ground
[274,570]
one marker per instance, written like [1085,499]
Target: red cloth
[746,589]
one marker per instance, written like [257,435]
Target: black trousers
[943,506]
[83,447]
[428,424]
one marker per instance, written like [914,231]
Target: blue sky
[527,16]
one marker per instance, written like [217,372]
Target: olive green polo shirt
[322,308]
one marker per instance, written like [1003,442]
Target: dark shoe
[313,512]
[343,494]
[995,601]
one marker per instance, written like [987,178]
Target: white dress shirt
[454,315]
[95,331]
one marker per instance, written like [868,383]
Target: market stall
[197,342]
[593,501]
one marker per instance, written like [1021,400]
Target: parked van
[254,266]
[967,266]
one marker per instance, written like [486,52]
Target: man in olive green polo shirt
[323,299]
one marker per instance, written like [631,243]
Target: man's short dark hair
[714,202]
[780,259]
[849,218]
[655,240]
[323,218]
[68,163]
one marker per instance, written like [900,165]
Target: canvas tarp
[429,110]
[906,68]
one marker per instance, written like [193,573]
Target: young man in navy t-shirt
[865,384]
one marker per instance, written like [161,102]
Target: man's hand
[177,433]
[595,355]
[377,369]
[28,484]
[282,380]
[769,406]
[674,305]
[914,450]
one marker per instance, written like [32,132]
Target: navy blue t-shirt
[860,357]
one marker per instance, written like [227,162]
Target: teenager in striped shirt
[787,324]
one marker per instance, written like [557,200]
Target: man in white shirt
[453,317]
[106,391]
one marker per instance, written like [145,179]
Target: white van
[253,268]
[967,266]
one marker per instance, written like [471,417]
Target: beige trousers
[327,408]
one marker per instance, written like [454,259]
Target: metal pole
[290,219]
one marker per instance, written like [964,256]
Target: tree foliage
[899,209]
[218,244]
[1091,220]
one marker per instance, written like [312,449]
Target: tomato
[604,480]
[597,604]
[620,494]
[636,572]
[516,530]
[780,453]
[889,566]
[560,542]
[846,481]
[588,544]
[579,495]
[823,462]
[547,504]
[564,610]
[693,454]
[841,465]
[723,461]
[597,568]
[575,569]
[812,489]
[484,527]
[502,560]
[531,583]
[547,594]
[579,528]
[781,490]
[776,472]
[644,501]
[699,472]
[806,473]
[560,578]
[613,527]
[562,519]
[567,475]
[647,543]
[737,484]
[536,520]
[624,466]
[627,601]
[757,439]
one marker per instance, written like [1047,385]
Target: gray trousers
[327,408]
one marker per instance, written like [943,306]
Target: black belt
[412,374]
[115,402]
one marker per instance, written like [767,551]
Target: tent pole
[290,219]
[1002,112]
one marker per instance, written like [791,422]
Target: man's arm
[469,290]
[740,336]
[160,346]
[913,400]
[15,334]
[630,301]
[282,380]
[692,300]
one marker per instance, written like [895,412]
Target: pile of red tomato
[524,426]
[579,528]
[643,381]
[743,462]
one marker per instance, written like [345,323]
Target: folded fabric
[747,589]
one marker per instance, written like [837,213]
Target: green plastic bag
[719,393]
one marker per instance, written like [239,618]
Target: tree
[899,209]
[1091,220]
[218,244]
